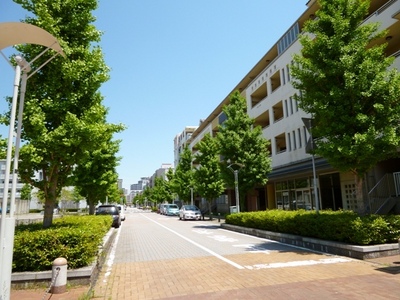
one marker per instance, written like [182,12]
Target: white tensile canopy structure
[15,33]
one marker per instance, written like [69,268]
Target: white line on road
[111,257]
[198,245]
[299,263]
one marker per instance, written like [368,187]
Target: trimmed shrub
[341,226]
[76,238]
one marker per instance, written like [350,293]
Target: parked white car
[189,212]
[121,209]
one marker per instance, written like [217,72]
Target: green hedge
[76,238]
[341,226]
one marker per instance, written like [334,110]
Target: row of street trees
[237,141]
[65,133]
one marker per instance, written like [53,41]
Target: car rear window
[191,207]
[173,206]
[107,210]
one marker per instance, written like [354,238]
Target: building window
[290,144]
[291,105]
[294,140]
[299,137]
[286,108]
[289,37]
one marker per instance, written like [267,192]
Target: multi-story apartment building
[269,93]
[181,141]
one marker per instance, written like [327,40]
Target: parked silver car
[189,212]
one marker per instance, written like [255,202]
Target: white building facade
[270,101]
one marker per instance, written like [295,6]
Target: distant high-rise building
[120,184]
[141,184]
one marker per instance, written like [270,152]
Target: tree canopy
[346,85]
[182,180]
[63,116]
[208,180]
[242,143]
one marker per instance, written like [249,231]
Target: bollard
[59,276]
[219,217]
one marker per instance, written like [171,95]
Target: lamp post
[236,175]
[11,34]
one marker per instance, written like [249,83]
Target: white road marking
[299,263]
[198,245]
[111,257]
[223,238]
[202,231]
[253,248]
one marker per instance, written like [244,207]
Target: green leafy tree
[113,193]
[242,143]
[182,181]
[139,199]
[62,98]
[122,196]
[26,192]
[347,87]
[97,173]
[147,196]
[161,191]
[208,180]
[3,142]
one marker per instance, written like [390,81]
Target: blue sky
[172,62]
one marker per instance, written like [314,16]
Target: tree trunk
[91,208]
[48,213]
[90,201]
[209,209]
[49,204]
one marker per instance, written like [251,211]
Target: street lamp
[14,33]
[236,174]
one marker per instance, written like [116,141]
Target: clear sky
[172,63]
